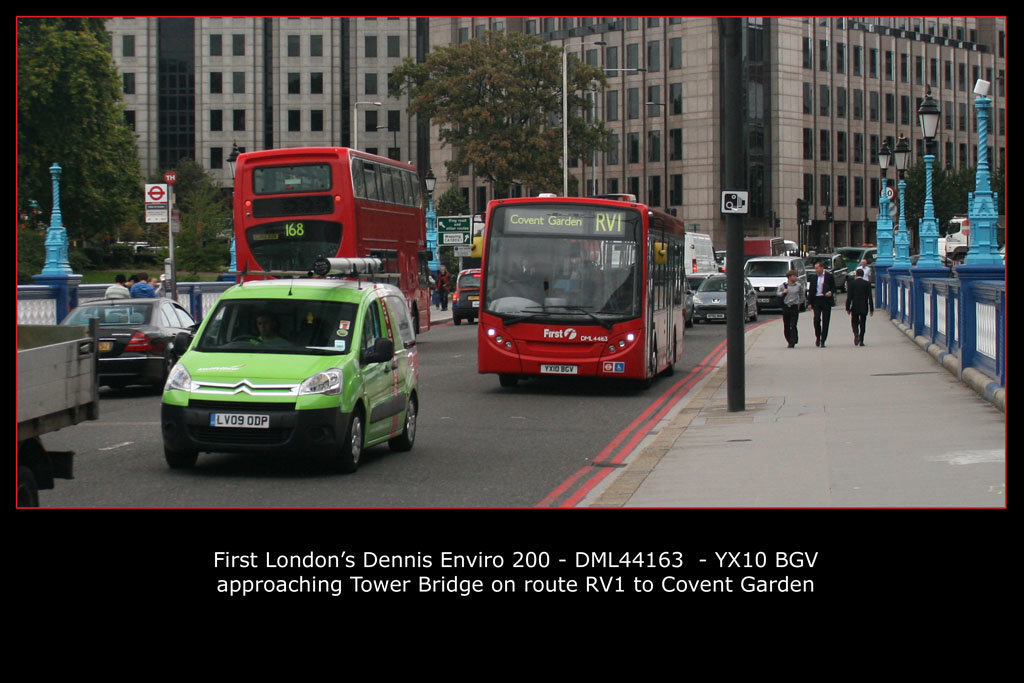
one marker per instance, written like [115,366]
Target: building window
[890,67]
[216,46]
[238,45]
[394,120]
[905,110]
[858,191]
[128,83]
[394,46]
[612,156]
[876,185]
[612,105]
[294,83]
[675,144]
[654,190]
[370,84]
[611,58]
[808,99]
[808,143]
[809,187]
[873,107]
[948,73]
[963,116]
[822,55]
[873,62]
[129,119]
[654,145]
[873,150]
[904,67]
[294,116]
[918,69]
[216,82]
[857,52]
[840,146]
[293,46]
[316,46]
[858,105]
[675,98]
[808,59]
[675,197]
[825,183]
[840,58]
[675,53]
[858,148]
[216,157]
[239,119]
[316,120]
[825,145]
[633,148]
[841,190]
[216,119]
[370,46]
[824,104]
[654,55]
[238,82]
[633,56]
[127,46]
[633,103]
[316,83]
[841,102]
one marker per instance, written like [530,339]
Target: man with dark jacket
[821,295]
[858,304]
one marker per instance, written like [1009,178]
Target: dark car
[709,301]
[136,338]
[835,264]
[466,299]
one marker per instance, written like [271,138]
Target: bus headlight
[178,378]
[328,382]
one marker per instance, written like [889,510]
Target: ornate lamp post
[57,272]
[900,156]
[232,158]
[928,113]
[984,249]
[430,181]
[884,225]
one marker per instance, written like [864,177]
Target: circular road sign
[170,177]
[156,193]
[890,192]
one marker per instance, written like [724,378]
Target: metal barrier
[37,304]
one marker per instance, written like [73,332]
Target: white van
[700,254]
[766,273]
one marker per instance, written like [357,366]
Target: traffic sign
[156,194]
[170,177]
[890,192]
[155,199]
[454,229]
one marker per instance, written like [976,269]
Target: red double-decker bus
[293,205]
[580,287]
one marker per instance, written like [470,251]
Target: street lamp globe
[884,157]
[928,114]
[901,155]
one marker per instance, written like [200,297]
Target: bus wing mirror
[660,253]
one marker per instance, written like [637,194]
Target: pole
[734,178]
[565,122]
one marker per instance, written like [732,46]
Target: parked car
[709,301]
[466,299]
[136,338]
[835,264]
[301,366]
[766,273]
[694,280]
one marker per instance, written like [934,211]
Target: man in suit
[821,295]
[858,304]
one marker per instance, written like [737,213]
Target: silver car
[709,301]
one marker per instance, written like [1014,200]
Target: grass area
[97,277]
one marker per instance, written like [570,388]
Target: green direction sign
[454,230]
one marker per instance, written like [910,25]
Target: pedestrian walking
[868,271]
[859,303]
[821,295]
[793,298]
[142,289]
[443,287]
[118,290]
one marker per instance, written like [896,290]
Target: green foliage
[31,253]
[452,203]
[70,112]
[949,193]
[497,102]
[203,243]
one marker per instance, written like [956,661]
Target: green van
[323,366]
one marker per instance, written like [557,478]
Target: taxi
[304,366]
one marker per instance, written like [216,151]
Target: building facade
[821,96]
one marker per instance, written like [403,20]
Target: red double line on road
[669,398]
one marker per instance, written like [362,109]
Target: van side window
[371,325]
[401,320]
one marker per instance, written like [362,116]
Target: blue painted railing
[964,317]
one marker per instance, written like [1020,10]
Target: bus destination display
[564,221]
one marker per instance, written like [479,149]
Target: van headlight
[328,382]
[178,378]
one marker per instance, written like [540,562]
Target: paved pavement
[883,425]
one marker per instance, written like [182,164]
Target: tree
[949,193]
[202,244]
[70,112]
[498,103]
[452,203]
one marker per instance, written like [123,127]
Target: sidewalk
[437,316]
[883,425]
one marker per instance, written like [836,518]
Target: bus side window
[358,181]
[370,176]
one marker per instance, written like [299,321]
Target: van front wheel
[351,446]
